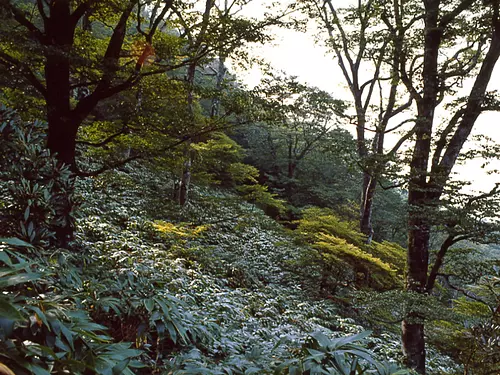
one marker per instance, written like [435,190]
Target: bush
[341,254]
[38,190]
[42,331]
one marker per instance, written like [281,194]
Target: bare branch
[449,17]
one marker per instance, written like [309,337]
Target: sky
[297,54]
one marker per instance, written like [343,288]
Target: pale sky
[297,54]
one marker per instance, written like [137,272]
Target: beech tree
[444,44]
[369,63]
[429,49]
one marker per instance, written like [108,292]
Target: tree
[77,55]
[369,64]
[467,33]
[430,49]
[299,120]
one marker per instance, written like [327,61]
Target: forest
[159,214]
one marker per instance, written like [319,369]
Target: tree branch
[25,71]
[107,140]
[21,18]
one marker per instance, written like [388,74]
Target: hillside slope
[206,289]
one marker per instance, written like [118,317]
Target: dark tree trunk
[414,343]
[292,165]
[417,265]
[62,127]
[418,192]
[62,139]
[62,130]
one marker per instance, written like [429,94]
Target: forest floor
[228,270]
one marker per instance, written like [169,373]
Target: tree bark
[367,197]
[188,161]
[185,177]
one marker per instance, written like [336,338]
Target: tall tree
[52,30]
[369,63]
[429,49]
[444,43]
[78,54]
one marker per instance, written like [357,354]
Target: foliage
[342,256]
[219,160]
[37,189]
[342,356]
[472,334]
[42,329]
[227,264]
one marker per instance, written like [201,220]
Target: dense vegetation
[160,217]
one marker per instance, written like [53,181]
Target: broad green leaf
[118,369]
[9,311]
[13,241]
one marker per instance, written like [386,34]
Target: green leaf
[37,370]
[9,311]
[118,369]
[15,242]
[19,279]
[294,370]
[4,257]
[68,335]
[149,304]
[321,338]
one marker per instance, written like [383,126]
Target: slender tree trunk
[185,177]
[367,196]
[221,75]
[188,159]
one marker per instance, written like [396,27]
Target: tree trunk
[417,266]
[62,126]
[61,139]
[414,343]
[221,75]
[185,177]
[419,195]
[367,196]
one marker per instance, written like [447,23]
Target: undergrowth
[149,288]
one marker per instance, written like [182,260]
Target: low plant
[39,202]
[42,331]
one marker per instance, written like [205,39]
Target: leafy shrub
[38,191]
[42,331]
[342,356]
[472,334]
[340,254]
